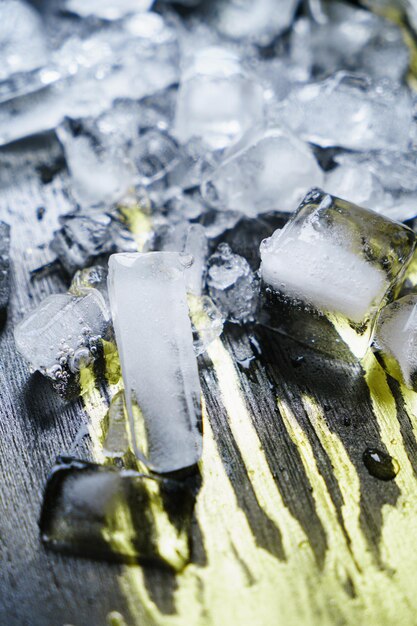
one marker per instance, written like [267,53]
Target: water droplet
[380,464]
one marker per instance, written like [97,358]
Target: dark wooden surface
[290,527]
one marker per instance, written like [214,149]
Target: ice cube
[4,269]
[396,335]
[116,442]
[259,22]
[207,322]
[155,154]
[107,9]
[189,239]
[217,101]
[94,511]
[62,335]
[94,277]
[350,38]
[352,112]
[23,45]
[329,271]
[273,173]
[99,175]
[155,343]
[232,285]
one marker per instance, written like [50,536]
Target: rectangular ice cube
[95,511]
[329,271]
[155,343]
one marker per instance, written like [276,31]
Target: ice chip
[232,285]
[217,101]
[352,112]
[95,511]
[107,9]
[94,277]
[155,154]
[259,22]
[272,173]
[62,335]
[154,339]
[207,321]
[330,270]
[396,336]
[116,442]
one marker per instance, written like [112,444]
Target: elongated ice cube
[95,511]
[62,335]
[232,285]
[352,112]
[154,338]
[330,270]
[116,442]
[217,101]
[273,173]
[396,335]
[259,22]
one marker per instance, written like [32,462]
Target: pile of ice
[187,134]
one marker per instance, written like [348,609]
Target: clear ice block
[232,285]
[217,101]
[95,511]
[396,336]
[62,335]
[273,173]
[352,112]
[155,343]
[330,270]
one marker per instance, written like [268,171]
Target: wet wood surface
[290,528]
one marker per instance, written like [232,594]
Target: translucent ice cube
[232,285]
[23,45]
[116,442]
[396,335]
[94,277]
[207,321]
[217,101]
[95,511]
[154,339]
[333,262]
[62,334]
[351,112]
[273,173]
[259,21]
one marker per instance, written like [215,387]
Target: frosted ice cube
[116,442]
[396,335]
[62,334]
[273,173]
[259,21]
[232,285]
[351,112]
[107,9]
[23,45]
[348,37]
[217,101]
[337,259]
[155,344]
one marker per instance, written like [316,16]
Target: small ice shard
[94,277]
[259,22]
[154,339]
[23,45]
[273,173]
[155,154]
[207,322]
[116,442]
[95,511]
[4,269]
[107,9]
[99,175]
[232,285]
[62,335]
[217,101]
[189,239]
[384,181]
[351,112]
[333,266]
[350,38]
[396,336]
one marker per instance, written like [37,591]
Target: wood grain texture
[290,529]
